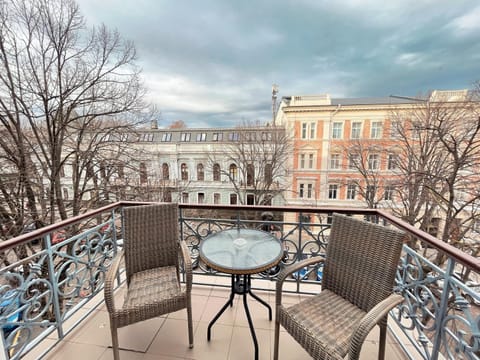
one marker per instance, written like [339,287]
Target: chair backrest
[361,260]
[150,237]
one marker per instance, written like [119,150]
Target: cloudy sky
[213,62]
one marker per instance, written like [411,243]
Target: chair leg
[116,353]
[190,325]
[276,338]
[383,337]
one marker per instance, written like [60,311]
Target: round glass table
[241,253]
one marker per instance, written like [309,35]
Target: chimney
[154,124]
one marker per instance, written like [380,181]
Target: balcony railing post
[443,309]
[51,275]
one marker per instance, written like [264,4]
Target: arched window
[233,172]
[250,175]
[143,173]
[216,172]
[200,172]
[184,171]
[165,171]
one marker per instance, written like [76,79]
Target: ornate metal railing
[50,274]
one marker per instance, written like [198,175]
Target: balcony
[55,305]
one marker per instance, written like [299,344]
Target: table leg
[224,307]
[246,280]
[263,302]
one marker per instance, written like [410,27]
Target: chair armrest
[187,264]
[290,270]
[377,313]
[109,285]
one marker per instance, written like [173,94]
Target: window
[62,171]
[309,191]
[306,161]
[302,161]
[165,171]
[395,129]
[184,171]
[250,199]
[167,195]
[166,137]
[373,161]
[185,197]
[250,175]
[65,194]
[201,198]
[308,130]
[217,137]
[216,172]
[351,191]
[416,129]
[143,173]
[202,137]
[370,193]
[266,136]
[312,131]
[232,170]
[310,161]
[376,130]
[185,137]
[337,130]
[335,161]
[356,130]
[353,161]
[268,173]
[200,172]
[392,161]
[332,191]
[216,198]
[233,199]
[305,191]
[146,137]
[388,192]
[233,136]
[120,170]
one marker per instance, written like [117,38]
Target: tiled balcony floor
[165,338]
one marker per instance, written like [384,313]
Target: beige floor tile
[74,351]
[242,346]
[213,307]
[171,339]
[215,349]
[258,313]
[289,349]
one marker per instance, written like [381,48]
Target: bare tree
[58,82]
[364,157]
[256,163]
[439,164]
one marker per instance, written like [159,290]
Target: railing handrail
[445,248]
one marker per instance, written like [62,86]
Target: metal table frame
[241,284]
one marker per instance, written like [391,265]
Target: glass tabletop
[241,251]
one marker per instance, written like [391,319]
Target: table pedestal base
[241,284]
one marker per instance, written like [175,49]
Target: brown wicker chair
[151,252]
[357,284]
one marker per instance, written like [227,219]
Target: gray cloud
[212,62]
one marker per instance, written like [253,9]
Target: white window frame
[356,133]
[376,130]
[337,130]
[373,161]
[335,161]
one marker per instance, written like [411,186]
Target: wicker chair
[358,278]
[151,252]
